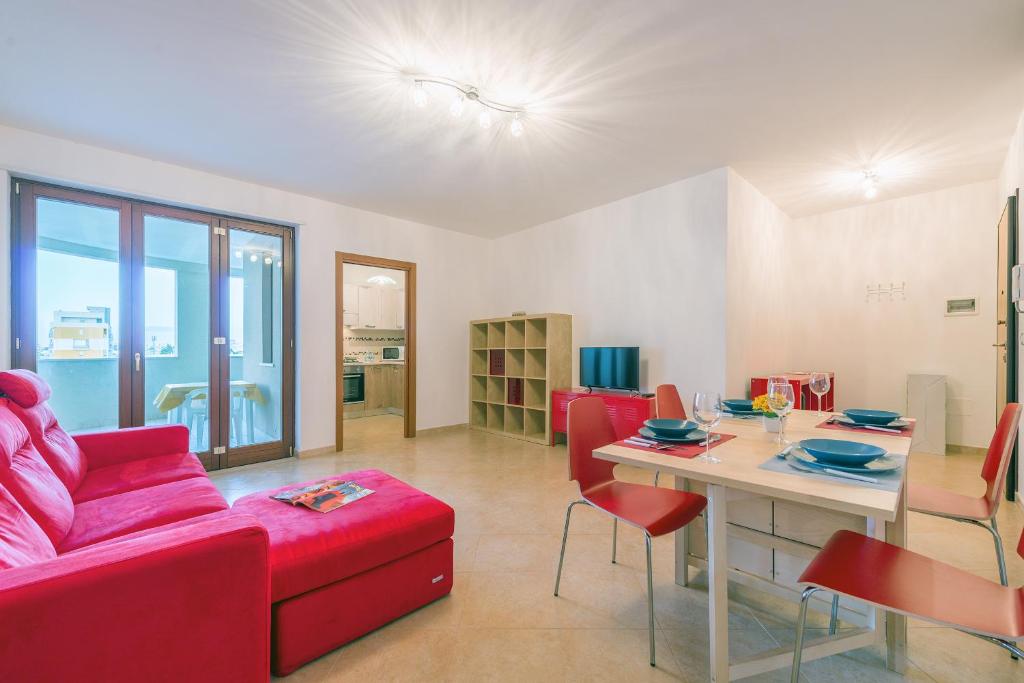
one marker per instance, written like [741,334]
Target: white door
[369,307]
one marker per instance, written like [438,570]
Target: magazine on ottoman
[324,495]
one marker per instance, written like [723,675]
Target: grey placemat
[889,481]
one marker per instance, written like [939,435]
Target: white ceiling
[798,96]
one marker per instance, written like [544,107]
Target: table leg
[896,624]
[682,540]
[718,585]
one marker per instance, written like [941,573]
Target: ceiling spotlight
[254,258]
[267,260]
[279,264]
[516,127]
[238,253]
[870,184]
[485,118]
[419,95]
[381,280]
[457,106]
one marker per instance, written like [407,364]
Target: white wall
[646,271]
[1010,180]
[942,244]
[757,287]
[450,266]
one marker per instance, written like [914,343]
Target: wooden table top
[742,456]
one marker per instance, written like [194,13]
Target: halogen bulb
[267,260]
[485,118]
[254,258]
[516,127]
[419,96]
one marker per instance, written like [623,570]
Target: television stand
[627,411]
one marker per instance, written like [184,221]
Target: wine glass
[780,400]
[707,412]
[819,386]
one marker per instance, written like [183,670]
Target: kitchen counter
[380,362]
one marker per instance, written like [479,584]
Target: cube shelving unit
[514,363]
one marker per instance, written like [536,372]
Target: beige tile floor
[502,623]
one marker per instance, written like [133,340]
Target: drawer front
[751,510]
[743,555]
[812,525]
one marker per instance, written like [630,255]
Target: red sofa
[119,559]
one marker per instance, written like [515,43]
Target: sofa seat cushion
[310,549]
[22,541]
[138,474]
[105,518]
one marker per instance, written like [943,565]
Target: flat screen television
[610,367]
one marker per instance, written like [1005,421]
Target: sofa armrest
[190,603]
[134,443]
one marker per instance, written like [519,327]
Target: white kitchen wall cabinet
[350,294]
[369,308]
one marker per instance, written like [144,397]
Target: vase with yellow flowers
[772,422]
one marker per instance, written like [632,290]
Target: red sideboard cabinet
[803,398]
[627,412]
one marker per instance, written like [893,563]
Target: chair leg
[833,619]
[565,536]
[801,620]
[650,595]
[615,536]
[657,473]
[1000,557]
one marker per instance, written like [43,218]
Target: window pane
[255,327]
[77,304]
[177,325]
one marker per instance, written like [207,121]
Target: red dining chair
[654,511]
[905,582]
[667,404]
[980,511]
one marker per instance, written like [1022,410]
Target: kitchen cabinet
[369,308]
[384,388]
[350,315]
[377,309]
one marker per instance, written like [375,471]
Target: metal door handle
[138,362]
[1002,346]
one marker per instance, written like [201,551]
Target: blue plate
[695,436]
[882,465]
[739,405]
[871,417]
[839,452]
[667,427]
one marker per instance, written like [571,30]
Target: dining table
[171,397]
[744,478]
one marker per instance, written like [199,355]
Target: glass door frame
[24,272]
[246,455]
[131,309]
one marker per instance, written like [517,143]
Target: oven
[353,385]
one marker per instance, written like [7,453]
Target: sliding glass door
[141,314]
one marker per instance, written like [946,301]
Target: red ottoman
[336,576]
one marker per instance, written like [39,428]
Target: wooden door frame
[340,259]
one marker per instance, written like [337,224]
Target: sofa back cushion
[28,392]
[30,481]
[22,542]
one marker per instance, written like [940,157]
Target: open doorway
[375,331]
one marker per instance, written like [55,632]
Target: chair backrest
[997,460]
[28,393]
[589,428]
[668,403]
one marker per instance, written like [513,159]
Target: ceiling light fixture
[471,93]
[870,184]
[381,280]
